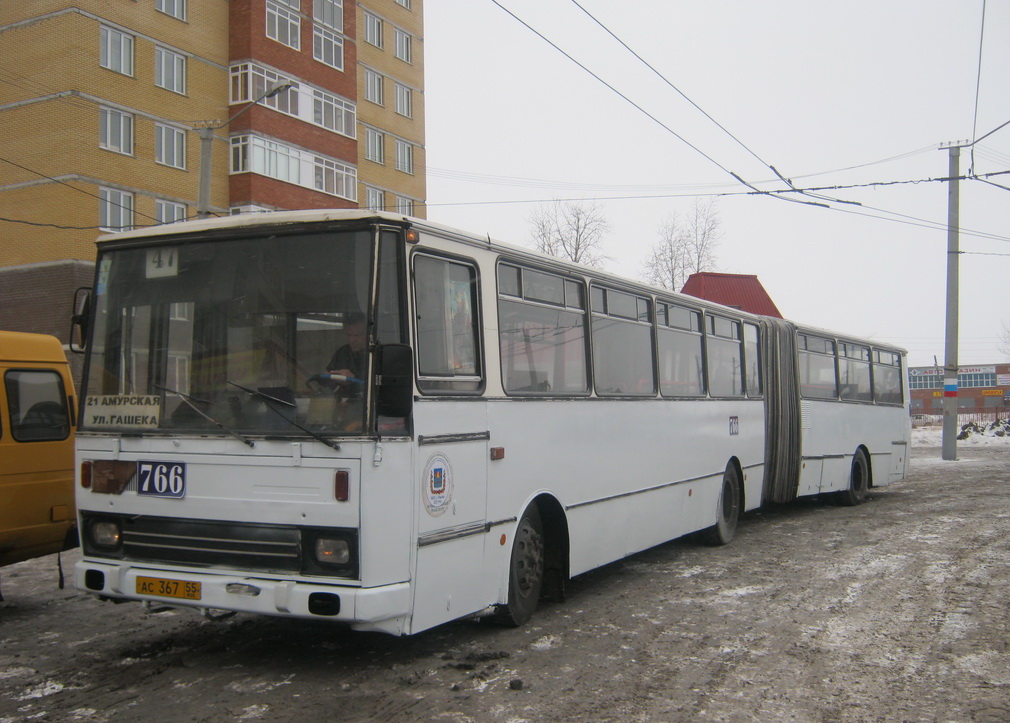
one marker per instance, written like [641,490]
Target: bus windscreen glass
[231,335]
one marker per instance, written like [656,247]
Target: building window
[404,3]
[115,131]
[168,212]
[329,12]
[402,48]
[332,113]
[115,211]
[283,22]
[175,8]
[405,206]
[169,146]
[116,51]
[373,86]
[169,70]
[249,82]
[336,179]
[404,102]
[374,145]
[404,157]
[252,154]
[976,380]
[327,47]
[374,199]
[373,30]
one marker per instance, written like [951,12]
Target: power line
[638,107]
[978,86]
[613,89]
[670,84]
[864,210]
[79,190]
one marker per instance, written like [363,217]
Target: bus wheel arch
[860,479]
[538,564]
[729,506]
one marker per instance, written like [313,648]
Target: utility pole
[207,138]
[950,431]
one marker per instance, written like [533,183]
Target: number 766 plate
[161,479]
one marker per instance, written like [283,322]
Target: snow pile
[972,434]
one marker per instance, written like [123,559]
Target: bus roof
[17,346]
[281,218]
[264,218]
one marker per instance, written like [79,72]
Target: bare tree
[686,246]
[570,230]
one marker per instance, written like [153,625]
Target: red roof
[740,291]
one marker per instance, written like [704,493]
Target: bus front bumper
[384,608]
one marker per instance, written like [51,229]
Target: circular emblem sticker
[437,484]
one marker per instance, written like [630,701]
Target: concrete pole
[950,428]
[206,149]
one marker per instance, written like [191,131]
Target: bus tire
[859,481]
[526,570]
[727,510]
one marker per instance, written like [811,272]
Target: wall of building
[385,176]
[981,390]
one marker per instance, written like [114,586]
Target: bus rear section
[36,448]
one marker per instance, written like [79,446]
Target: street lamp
[207,138]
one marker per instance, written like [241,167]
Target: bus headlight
[106,533]
[332,551]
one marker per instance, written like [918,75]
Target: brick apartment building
[102,105]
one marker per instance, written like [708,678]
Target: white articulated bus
[391,424]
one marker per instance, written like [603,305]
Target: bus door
[450,426]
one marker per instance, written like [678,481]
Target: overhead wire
[642,110]
[670,84]
[79,190]
[978,86]
[721,127]
[823,201]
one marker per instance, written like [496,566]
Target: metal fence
[981,418]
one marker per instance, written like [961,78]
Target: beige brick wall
[384,117]
[59,52]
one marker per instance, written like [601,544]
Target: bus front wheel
[526,570]
[859,481]
[727,510]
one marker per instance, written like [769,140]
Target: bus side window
[38,406]
[817,368]
[448,350]
[623,353]
[681,372]
[542,333]
[725,357]
[887,377]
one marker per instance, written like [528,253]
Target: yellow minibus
[37,421]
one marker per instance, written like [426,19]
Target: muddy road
[897,610]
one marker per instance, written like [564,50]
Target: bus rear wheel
[859,481]
[727,510]
[526,570]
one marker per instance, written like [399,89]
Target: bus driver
[349,360]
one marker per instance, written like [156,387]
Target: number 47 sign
[161,479]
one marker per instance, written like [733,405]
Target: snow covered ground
[988,436]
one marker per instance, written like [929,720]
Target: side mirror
[80,320]
[395,380]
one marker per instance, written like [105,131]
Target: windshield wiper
[189,401]
[267,398]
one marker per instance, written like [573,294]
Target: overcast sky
[811,88]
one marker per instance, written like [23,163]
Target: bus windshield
[232,336]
